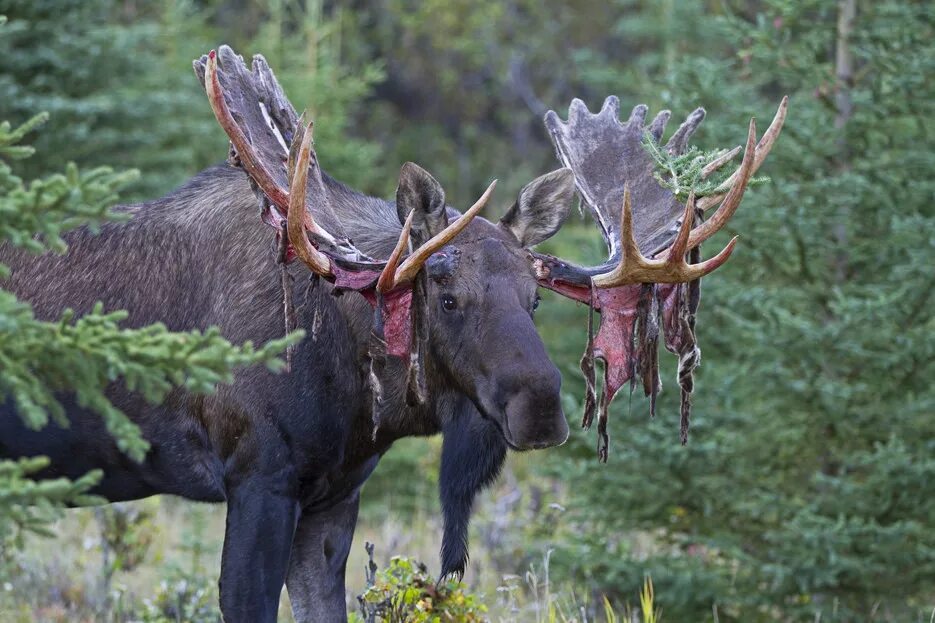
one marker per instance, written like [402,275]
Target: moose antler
[412,264]
[649,234]
[272,144]
[275,148]
[609,162]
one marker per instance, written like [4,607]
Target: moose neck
[398,419]
[370,222]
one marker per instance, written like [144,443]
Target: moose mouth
[501,420]
[507,435]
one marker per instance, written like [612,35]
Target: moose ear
[541,208]
[420,193]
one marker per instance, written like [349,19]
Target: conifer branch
[682,174]
[41,363]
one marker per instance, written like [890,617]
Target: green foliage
[28,504]
[139,102]
[112,563]
[89,352]
[685,173]
[34,216]
[126,535]
[806,488]
[118,85]
[40,360]
[182,597]
[410,470]
[405,593]
[304,47]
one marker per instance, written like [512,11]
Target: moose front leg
[319,558]
[261,519]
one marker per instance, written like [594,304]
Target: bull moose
[418,320]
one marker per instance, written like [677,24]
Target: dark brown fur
[289,452]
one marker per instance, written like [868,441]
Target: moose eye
[535,303]
[449,303]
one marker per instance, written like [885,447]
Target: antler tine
[635,268]
[678,142]
[697,271]
[410,267]
[760,152]
[680,246]
[720,161]
[254,168]
[733,198]
[628,246]
[319,233]
[298,217]
[387,280]
[631,260]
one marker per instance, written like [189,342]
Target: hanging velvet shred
[679,304]
[377,348]
[646,351]
[587,369]
[416,392]
[285,282]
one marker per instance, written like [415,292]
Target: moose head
[481,294]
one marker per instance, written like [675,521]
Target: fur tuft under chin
[473,453]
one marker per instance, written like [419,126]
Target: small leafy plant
[405,592]
[182,597]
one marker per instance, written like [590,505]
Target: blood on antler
[649,234]
[255,113]
[275,148]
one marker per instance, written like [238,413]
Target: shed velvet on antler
[273,145]
[651,278]
[275,148]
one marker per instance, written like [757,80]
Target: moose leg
[319,558]
[261,518]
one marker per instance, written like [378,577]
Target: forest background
[807,489]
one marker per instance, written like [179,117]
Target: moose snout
[534,415]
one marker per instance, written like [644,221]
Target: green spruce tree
[83,355]
[807,489]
